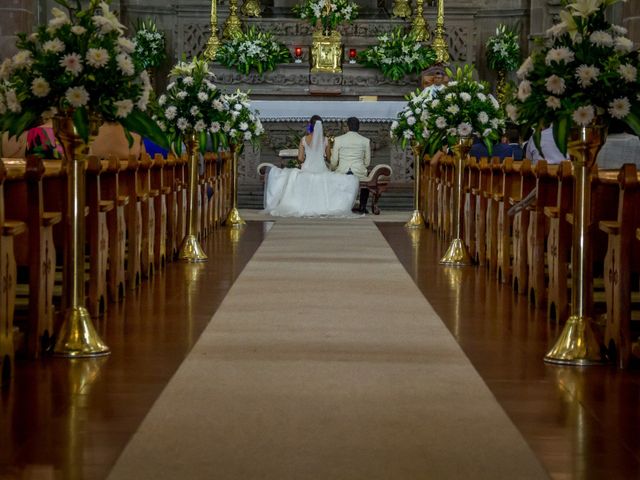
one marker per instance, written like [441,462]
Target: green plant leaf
[560,133]
[143,125]
[81,122]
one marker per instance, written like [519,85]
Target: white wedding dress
[312,190]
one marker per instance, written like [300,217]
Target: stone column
[15,16]
[631,20]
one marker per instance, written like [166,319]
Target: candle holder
[297,55]
[352,55]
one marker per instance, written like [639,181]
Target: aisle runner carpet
[325,362]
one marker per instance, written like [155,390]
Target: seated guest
[505,148]
[152,149]
[433,79]
[550,151]
[41,141]
[620,147]
[111,140]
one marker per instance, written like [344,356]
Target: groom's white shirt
[351,151]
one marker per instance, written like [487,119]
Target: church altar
[285,122]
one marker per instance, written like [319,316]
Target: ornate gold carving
[326,52]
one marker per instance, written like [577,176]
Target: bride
[312,190]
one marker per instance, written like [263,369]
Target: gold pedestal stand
[501,87]
[439,43]
[232,26]
[326,52]
[578,344]
[419,25]
[213,44]
[234,220]
[77,336]
[457,254]
[416,220]
[190,249]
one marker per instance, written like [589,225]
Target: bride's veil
[314,153]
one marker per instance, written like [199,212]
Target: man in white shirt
[550,151]
[351,154]
[434,79]
[620,147]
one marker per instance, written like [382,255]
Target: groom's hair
[353,124]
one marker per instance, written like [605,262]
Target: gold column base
[577,345]
[416,220]
[191,251]
[234,220]
[78,337]
[456,255]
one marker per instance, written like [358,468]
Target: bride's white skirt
[290,192]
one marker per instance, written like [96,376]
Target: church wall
[15,16]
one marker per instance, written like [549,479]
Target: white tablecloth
[292,110]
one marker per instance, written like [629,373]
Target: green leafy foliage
[503,50]
[327,13]
[150,45]
[253,50]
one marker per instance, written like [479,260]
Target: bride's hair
[312,122]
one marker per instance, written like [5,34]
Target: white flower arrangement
[244,125]
[584,71]
[503,50]
[77,65]
[255,50]
[149,49]
[330,13]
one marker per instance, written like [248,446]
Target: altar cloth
[329,110]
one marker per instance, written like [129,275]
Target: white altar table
[329,110]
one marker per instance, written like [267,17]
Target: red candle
[298,51]
[352,53]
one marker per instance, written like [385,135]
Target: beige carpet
[325,362]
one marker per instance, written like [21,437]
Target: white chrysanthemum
[481,96]
[441,123]
[557,30]
[22,59]
[181,94]
[162,99]
[494,102]
[524,90]
[619,30]
[495,123]
[483,117]
[553,102]
[434,103]
[125,64]
[257,131]
[583,115]
[126,45]
[187,80]
[143,101]
[123,108]
[452,132]
[555,85]
[233,132]
[525,69]
[194,110]
[237,107]
[394,125]
[182,124]
[97,57]
[465,97]
[453,109]
[620,107]
[162,126]
[215,127]
[450,96]
[408,134]
[247,135]
[53,46]
[40,87]
[243,126]
[601,39]
[623,44]
[218,105]
[586,74]
[418,111]
[13,104]
[200,126]
[78,30]
[171,112]
[202,96]
[77,96]
[72,63]
[512,112]
[411,121]
[628,72]
[6,68]
[465,129]
[559,55]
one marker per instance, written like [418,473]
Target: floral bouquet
[253,50]
[191,105]
[585,70]
[79,65]
[243,125]
[463,108]
[398,54]
[409,126]
[503,50]
[330,13]
[150,45]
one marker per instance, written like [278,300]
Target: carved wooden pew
[484,178]
[472,184]
[37,253]
[175,191]
[433,186]
[147,264]
[116,226]
[546,196]
[10,228]
[621,261]
[133,214]
[510,189]
[181,190]
[559,243]
[157,180]
[494,196]
[520,228]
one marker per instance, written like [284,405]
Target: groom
[351,154]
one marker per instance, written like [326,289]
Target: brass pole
[234,220]
[439,43]
[419,25]
[416,220]
[214,42]
[232,26]
[190,250]
[77,336]
[457,254]
[577,344]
